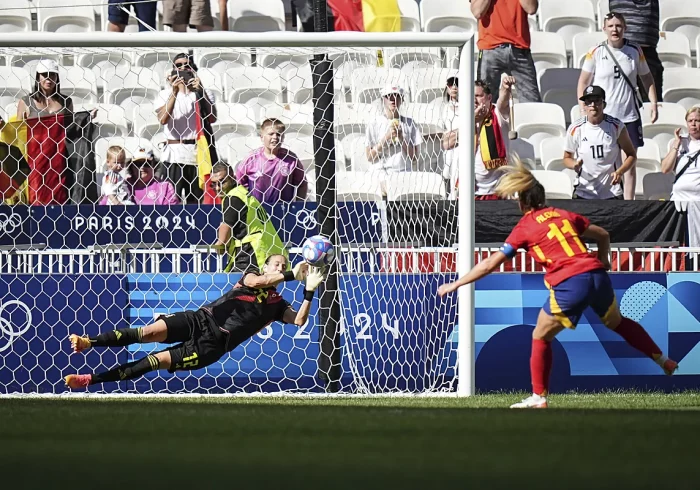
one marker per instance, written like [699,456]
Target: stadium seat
[415,186]
[437,15]
[211,80]
[682,85]
[525,151]
[367,83]
[16,16]
[249,84]
[358,186]
[428,84]
[215,11]
[537,121]
[256,15]
[235,148]
[603,9]
[648,157]
[28,59]
[58,16]
[233,118]
[552,153]
[657,186]
[110,120]
[582,43]
[567,18]
[145,122]
[221,59]
[428,117]
[410,59]
[575,113]
[299,84]
[105,64]
[353,119]
[354,146]
[298,119]
[303,147]
[548,51]
[558,86]
[15,83]
[674,50]
[79,83]
[642,172]
[557,185]
[130,145]
[149,58]
[281,56]
[682,17]
[137,85]
[671,117]
[410,16]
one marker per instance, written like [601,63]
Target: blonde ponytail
[517,179]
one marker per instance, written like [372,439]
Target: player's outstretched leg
[155,332]
[125,372]
[635,335]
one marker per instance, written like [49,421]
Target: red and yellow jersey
[551,237]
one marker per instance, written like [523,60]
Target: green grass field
[586,441]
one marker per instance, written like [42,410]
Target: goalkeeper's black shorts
[198,346]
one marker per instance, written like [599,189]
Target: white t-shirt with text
[687,188]
[487,179]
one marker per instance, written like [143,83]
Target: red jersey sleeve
[517,239]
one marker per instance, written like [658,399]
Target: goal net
[96,239]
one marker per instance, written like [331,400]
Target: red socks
[637,337]
[540,366]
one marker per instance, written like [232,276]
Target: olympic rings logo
[306,219]
[7,329]
[9,224]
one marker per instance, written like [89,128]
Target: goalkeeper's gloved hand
[315,277]
[301,270]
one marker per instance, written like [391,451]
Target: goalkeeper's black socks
[128,371]
[118,338]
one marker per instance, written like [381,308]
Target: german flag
[52,156]
[206,156]
[354,15]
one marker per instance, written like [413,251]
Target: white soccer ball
[318,251]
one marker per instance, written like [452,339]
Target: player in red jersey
[576,278]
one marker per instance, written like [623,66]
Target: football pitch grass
[612,440]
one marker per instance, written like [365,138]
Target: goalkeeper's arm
[313,280]
[298,273]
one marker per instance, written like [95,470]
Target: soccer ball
[318,251]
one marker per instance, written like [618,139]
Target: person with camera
[181,109]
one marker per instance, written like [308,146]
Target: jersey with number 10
[552,237]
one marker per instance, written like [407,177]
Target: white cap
[393,89]
[47,66]
[142,154]
[452,74]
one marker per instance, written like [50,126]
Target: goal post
[274,54]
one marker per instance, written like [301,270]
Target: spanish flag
[206,155]
[354,15]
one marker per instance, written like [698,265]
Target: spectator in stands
[449,121]
[178,109]
[682,159]
[642,19]
[115,187]
[273,173]
[504,45]
[491,148]
[393,140]
[179,14]
[594,146]
[118,15]
[614,65]
[145,188]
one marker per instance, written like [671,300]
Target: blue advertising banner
[396,335]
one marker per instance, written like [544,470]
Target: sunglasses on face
[183,64]
[613,15]
[452,82]
[51,75]
[593,101]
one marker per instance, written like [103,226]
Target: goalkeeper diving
[205,335]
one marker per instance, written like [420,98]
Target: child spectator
[144,187]
[115,189]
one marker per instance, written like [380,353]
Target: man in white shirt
[177,109]
[593,149]
[393,140]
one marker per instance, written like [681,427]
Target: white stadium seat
[548,50]
[353,119]
[680,16]
[59,16]
[256,15]
[303,147]
[557,185]
[282,56]
[110,120]
[671,117]
[221,60]
[413,186]
[233,118]
[15,16]
[656,185]
[149,58]
[649,156]
[250,84]
[145,121]
[428,84]
[428,117]
[358,186]
[299,84]
[139,84]
[236,148]
[583,42]
[603,9]
[552,153]
[79,83]
[567,18]
[410,16]
[674,50]
[298,119]
[642,172]
[524,150]
[537,121]
[15,83]
[367,82]
[682,85]
[412,58]
[212,80]
[436,15]
[558,86]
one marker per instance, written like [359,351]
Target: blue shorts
[145,12]
[634,129]
[569,298]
